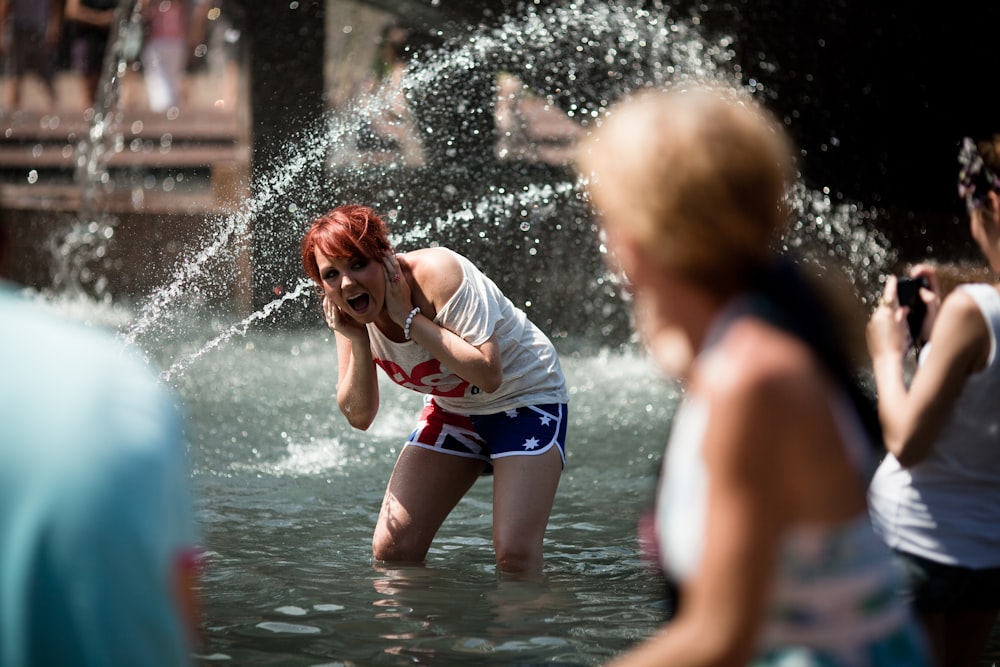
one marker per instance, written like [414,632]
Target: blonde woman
[761,513]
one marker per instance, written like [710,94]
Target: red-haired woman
[495,394]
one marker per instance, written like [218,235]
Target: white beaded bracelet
[409,321]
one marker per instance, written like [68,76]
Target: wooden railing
[39,155]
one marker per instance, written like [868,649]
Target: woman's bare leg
[423,489]
[524,488]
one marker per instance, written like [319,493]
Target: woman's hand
[887,331]
[342,323]
[398,299]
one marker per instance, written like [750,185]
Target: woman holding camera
[936,496]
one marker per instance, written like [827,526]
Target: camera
[908,293]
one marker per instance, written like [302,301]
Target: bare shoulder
[758,362]
[961,335]
[770,394]
[436,273]
[960,321]
[960,304]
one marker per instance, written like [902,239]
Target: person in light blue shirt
[97,535]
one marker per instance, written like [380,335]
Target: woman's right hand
[344,324]
[887,332]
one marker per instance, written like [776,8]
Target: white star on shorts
[530,443]
[511,413]
[545,420]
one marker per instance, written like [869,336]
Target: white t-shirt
[477,311]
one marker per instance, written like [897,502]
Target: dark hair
[346,231]
[980,166]
[786,297]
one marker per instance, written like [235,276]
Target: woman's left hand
[887,331]
[398,299]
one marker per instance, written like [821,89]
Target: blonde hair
[698,176]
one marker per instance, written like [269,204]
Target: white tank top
[946,508]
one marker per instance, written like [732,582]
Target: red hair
[346,231]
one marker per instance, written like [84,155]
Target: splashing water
[76,252]
[240,328]
[527,224]
[829,233]
[230,232]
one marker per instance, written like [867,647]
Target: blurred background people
[165,51]
[29,38]
[936,495]
[98,560]
[390,135]
[761,514]
[88,24]
[531,128]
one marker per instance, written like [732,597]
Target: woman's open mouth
[359,303]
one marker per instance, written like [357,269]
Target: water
[288,495]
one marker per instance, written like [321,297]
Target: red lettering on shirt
[427,377]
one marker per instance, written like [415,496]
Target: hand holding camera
[908,295]
[893,330]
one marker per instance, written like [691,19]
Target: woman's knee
[517,555]
[399,546]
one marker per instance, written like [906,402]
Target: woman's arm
[437,275]
[912,418]
[477,364]
[357,382]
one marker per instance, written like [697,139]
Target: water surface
[288,495]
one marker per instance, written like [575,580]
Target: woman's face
[356,285]
[656,293]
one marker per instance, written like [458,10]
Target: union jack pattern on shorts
[529,430]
